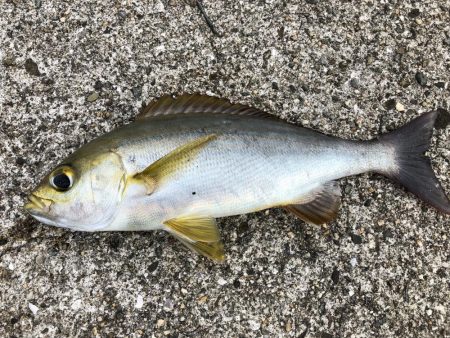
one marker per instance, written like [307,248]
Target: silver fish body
[254,164]
[189,160]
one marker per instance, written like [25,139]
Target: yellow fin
[203,229]
[212,250]
[169,164]
[199,234]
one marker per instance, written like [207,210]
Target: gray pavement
[73,70]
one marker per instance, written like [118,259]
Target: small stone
[221,281]
[353,262]
[3,241]
[158,7]
[76,305]
[137,92]
[160,323]
[254,325]
[288,326]
[122,14]
[98,85]
[440,84]
[399,107]
[443,119]
[93,97]
[356,239]
[404,82]
[325,335]
[440,308]
[152,267]
[47,81]
[33,308]
[414,13]
[168,305]
[139,302]
[389,104]
[31,67]
[275,86]
[421,79]
[115,241]
[401,50]
[39,260]
[20,161]
[335,276]
[9,61]
[387,234]
[202,299]
[354,83]
[104,114]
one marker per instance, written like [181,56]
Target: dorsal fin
[320,206]
[197,104]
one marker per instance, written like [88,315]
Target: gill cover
[81,194]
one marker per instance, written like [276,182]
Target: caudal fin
[412,168]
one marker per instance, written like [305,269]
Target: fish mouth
[37,205]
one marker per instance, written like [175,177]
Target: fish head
[82,193]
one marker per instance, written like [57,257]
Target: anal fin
[199,234]
[319,206]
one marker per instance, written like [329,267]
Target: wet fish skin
[254,164]
[177,169]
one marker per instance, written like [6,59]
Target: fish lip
[37,205]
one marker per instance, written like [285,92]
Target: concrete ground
[73,70]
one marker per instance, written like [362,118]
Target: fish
[188,160]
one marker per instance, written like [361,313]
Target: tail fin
[413,169]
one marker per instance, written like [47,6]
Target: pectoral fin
[320,206]
[199,234]
[166,166]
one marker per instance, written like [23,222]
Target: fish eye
[62,178]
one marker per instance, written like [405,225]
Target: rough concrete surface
[73,70]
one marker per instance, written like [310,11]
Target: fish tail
[410,167]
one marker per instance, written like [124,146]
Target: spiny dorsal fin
[197,104]
[319,206]
[199,234]
[169,164]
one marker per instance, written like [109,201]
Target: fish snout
[37,205]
